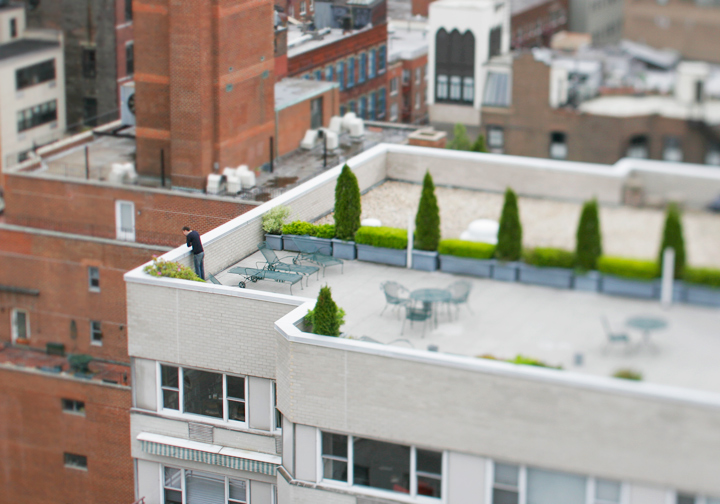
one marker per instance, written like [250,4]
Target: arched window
[454,66]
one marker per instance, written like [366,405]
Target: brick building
[408,45]
[602,19]
[99,54]
[395,97]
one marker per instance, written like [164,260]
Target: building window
[418,72]
[381,465]
[278,415]
[215,395]
[393,86]
[199,487]
[417,100]
[558,145]
[75,461]
[496,139]
[672,150]
[371,64]
[94,278]
[362,107]
[495,41]
[329,74]
[497,90]
[352,107]
[441,91]
[394,112]
[35,74]
[372,105]
[468,91]
[362,68]
[607,492]
[455,61]
[455,88]
[343,110]
[506,484]
[13,28]
[125,220]
[554,486]
[712,156]
[90,111]
[312,5]
[130,58]
[406,77]
[351,73]
[318,74]
[73,406]
[37,116]
[291,11]
[88,63]
[172,485]
[684,499]
[96,335]
[341,74]
[316,113]
[20,324]
[303,10]
[128,10]
[381,104]
[638,147]
[425,71]
[382,55]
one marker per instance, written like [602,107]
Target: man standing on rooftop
[193,239]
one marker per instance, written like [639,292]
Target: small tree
[326,318]
[673,238]
[348,206]
[460,140]
[588,243]
[427,220]
[479,145]
[509,245]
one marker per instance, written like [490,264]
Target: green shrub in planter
[325,231]
[462,248]
[509,246]
[427,220]
[163,268]
[479,145]
[704,276]
[299,228]
[549,258]
[628,374]
[394,238]
[348,205]
[628,268]
[588,241]
[326,318]
[673,238]
[273,220]
[460,140]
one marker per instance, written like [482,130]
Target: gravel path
[627,231]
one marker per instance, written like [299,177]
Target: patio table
[430,297]
[646,325]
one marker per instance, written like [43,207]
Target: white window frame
[183,489]
[406,77]
[75,408]
[93,331]
[312,5]
[394,88]
[13,322]
[179,413]
[121,233]
[376,492]
[93,272]
[303,8]
[393,111]
[417,100]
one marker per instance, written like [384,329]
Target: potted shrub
[384,245]
[551,267]
[296,228]
[509,245]
[673,238]
[348,208]
[427,229]
[272,223]
[702,286]
[629,277]
[466,257]
[162,268]
[588,248]
[326,318]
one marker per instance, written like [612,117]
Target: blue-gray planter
[702,295]
[679,291]
[561,278]
[288,244]
[396,257]
[467,266]
[648,289]
[424,261]
[324,245]
[275,242]
[343,249]
[589,281]
[506,271]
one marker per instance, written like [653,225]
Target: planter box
[324,245]
[275,242]
[702,295]
[288,244]
[396,257]
[648,289]
[589,281]
[561,278]
[679,291]
[467,266]
[424,261]
[505,271]
[343,249]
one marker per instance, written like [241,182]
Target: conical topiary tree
[479,145]
[460,140]
[427,220]
[348,205]
[326,317]
[588,242]
[673,237]
[509,245]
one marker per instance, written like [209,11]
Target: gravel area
[627,231]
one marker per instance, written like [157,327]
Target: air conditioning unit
[127,106]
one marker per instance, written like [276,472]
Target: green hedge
[325,231]
[549,258]
[306,228]
[704,276]
[394,238]
[163,268]
[462,248]
[629,268]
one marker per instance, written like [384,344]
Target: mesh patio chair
[460,291]
[315,253]
[614,337]
[274,263]
[414,313]
[395,295]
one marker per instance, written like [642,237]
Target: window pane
[429,461]
[455,89]
[504,496]
[171,399]
[169,376]
[429,487]
[236,387]
[381,465]
[334,444]
[236,411]
[202,393]
[238,490]
[550,487]
[173,497]
[507,474]
[21,322]
[334,469]
[607,491]
[172,477]
[204,488]
[685,499]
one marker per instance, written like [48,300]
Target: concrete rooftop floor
[512,318]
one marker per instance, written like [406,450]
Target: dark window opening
[316,113]
[35,74]
[639,147]
[128,10]
[455,66]
[73,406]
[90,111]
[37,115]
[202,393]
[96,335]
[381,465]
[130,58]
[89,63]
[75,461]
[558,145]
[13,28]
[495,40]
[93,278]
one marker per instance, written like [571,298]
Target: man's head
[186,230]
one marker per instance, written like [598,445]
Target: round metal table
[646,325]
[429,297]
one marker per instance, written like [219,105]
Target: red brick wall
[414,88]
[123,35]
[538,24]
[35,433]
[58,268]
[294,121]
[421,7]
[394,72]
[89,209]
